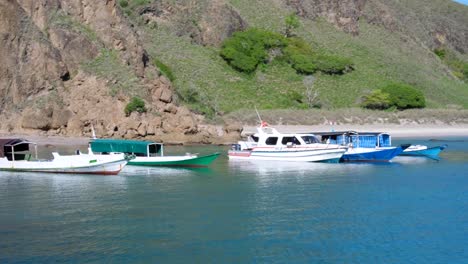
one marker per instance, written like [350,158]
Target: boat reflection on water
[161,171]
[298,169]
[411,160]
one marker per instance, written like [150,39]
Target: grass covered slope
[208,84]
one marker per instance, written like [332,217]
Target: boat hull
[175,161]
[428,152]
[371,154]
[81,164]
[323,155]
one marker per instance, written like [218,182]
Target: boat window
[310,139]
[271,140]
[255,139]
[292,140]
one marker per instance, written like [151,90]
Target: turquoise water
[410,211]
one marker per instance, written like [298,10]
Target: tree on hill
[291,22]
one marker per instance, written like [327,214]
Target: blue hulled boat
[363,146]
[423,151]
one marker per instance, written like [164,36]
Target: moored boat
[149,153]
[363,146]
[269,144]
[15,156]
[423,151]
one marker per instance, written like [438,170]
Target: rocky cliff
[434,23]
[67,65]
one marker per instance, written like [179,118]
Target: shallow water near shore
[413,210]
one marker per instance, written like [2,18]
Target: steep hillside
[386,40]
[67,65]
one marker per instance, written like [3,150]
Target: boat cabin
[133,147]
[16,149]
[270,137]
[356,139]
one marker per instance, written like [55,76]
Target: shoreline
[396,131]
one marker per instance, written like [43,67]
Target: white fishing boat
[269,144]
[15,156]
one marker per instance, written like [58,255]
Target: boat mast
[259,118]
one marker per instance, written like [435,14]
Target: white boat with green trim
[149,153]
[15,156]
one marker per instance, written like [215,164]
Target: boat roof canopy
[125,146]
[350,132]
[7,145]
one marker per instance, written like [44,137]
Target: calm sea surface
[412,210]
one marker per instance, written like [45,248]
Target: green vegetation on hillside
[135,105]
[165,70]
[109,66]
[459,67]
[247,49]
[205,82]
[397,95]
[291,22]
[307,61]
[62,20]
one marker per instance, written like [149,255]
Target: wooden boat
[423,151]
[269,144]
[150,153]
[364,146]
[14,156]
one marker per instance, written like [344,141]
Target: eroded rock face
[416,20]
[205,22]
[343,14]
[43,46]
[29,64]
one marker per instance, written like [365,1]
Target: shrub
[123,3]
[165,70]
[246,49]
[440,52]
[404,96]
[332,64]
[300,55]
[304,60]
[136,104]
[291,22]
[376,100]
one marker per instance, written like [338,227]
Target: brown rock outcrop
[206,23]
[412,18]
[43,47]
[343,14]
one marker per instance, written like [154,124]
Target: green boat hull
[202,161]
